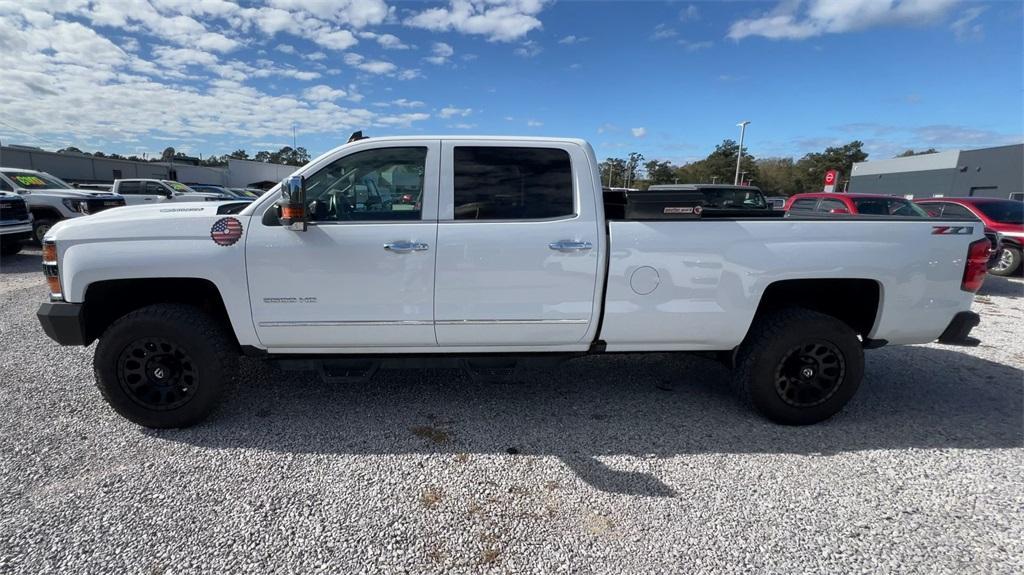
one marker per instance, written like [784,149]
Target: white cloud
[529,49]
[965,28]
[391,42]
[462,126]
[573,39]
[371,66]
[690,13]
[638,132]
[442,52]
[403,103]
[169,67]
[663,31]
[409,74]
[452,111]
[534,123]
[498,20]
[790,20]
[323,93]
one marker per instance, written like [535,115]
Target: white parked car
[51,199]
[501,255]
[138,191]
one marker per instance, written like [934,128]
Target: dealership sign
[831,177]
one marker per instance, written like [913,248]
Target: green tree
[812,167]
[660,172]
[239,155]
[613,171]
[168,154]
[908,153]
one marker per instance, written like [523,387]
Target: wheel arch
[854,301]
[106,301]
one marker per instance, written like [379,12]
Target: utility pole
[739,157]
[293,136]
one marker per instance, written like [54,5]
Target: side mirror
[293,203]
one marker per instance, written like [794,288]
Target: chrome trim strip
[511,321]
[342,323]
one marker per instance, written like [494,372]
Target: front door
[362,275]
[517,247]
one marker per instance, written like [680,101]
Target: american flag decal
[226,231]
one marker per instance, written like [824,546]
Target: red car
[1005,217]
[824,203]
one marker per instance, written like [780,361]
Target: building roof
[924,162]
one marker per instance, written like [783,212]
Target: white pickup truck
[491,253]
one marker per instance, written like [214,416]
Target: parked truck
[503,257]
[51,199]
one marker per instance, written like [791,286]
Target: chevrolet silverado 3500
[487,253]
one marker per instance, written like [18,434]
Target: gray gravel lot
[609,464]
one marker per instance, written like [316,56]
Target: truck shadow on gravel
[29,260]
[649,407]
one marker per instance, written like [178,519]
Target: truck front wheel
[798,367]
[165,365]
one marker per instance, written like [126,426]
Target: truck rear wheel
[165,365]
[798,367]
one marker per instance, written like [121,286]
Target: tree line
[286,155]
[776,176]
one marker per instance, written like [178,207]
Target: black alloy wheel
[810,374]
[157,374]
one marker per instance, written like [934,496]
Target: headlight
[80,206]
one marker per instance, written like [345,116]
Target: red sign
[830,177]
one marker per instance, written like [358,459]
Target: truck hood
[76,194]
[187,220]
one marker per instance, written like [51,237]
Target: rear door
[133,192]
[362,275]
[518,244]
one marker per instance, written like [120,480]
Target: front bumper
[959,330]
[64,322]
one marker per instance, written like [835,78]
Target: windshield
[31,181]
[179,187]
[737,199]
[1004,212]
[888,207]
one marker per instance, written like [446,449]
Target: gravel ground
[609,464]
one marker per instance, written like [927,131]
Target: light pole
[739,157]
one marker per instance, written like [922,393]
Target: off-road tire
[768,351]
[210,349]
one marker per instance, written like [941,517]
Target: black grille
[13,209]
[100,204]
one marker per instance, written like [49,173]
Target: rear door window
[828,205]
[499,183]
[804,205]
[956,211]
[129,188]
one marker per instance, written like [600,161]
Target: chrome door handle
[570,246]
[406,247]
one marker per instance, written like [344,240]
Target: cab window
[804,205]
[378,184]
[509,183]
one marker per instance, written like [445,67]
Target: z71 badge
[952,230]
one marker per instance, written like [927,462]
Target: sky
[667,79]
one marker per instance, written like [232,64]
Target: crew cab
[853,204]
[1002,218]
[51,199]
[140,191]
[15,223]
[503,258]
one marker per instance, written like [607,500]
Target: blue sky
[667,79]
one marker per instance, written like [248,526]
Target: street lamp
[739,157]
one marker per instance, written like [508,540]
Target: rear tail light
[977,262]
[51,272]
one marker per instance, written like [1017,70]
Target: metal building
[987,172]
[82,169]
